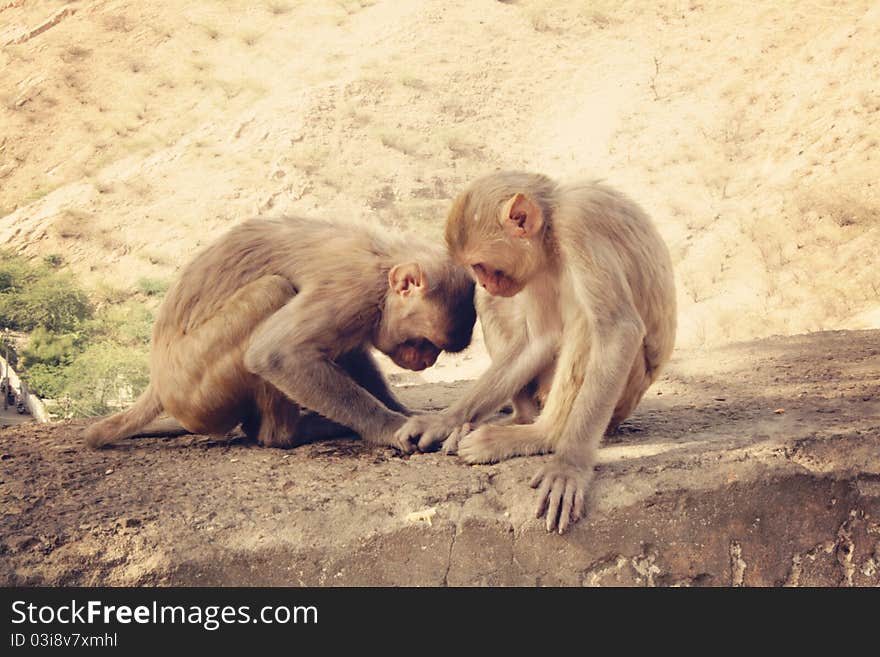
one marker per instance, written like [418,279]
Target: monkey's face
[496,229]
[417,325]
[410,335]
[415,354]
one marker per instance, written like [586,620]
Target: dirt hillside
[755,464]
[133,132]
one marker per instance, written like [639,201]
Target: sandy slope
[133,132]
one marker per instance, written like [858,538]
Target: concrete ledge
[755,464]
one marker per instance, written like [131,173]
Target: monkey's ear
[406,278]
[522,217]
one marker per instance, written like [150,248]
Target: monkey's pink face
[415,354]
[495,281]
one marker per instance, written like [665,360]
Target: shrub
[51,349]
[105,374]
[152,286]
[54,302]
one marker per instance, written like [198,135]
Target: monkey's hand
[561,487]
[390,434]
[430,429]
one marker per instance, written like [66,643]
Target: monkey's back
[249,251]
[592,211]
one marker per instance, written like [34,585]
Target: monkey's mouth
[502,287]
[416,355]
[495,282]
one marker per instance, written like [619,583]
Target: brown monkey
[279,314]
[587,300]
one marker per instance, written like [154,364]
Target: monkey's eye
[483,272]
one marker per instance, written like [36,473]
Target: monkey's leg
[525,406]
[506,376]
[362,367]
[589,381]
[278,422]
[636,385]
[524,410]
[286,350]
[493,442]
[165,426]
[275,419]
[200,375]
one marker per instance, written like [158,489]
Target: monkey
[583,305]
[277,317]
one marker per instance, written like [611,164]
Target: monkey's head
[497,229]
[429,308]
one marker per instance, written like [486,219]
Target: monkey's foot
[494,442]
[561,489]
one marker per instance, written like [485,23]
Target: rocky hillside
[133,132]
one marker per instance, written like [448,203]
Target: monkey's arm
[519,363]
[292,350]
[363,369]
[617,335]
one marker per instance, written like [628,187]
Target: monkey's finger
[429,438]
[555,499]
[578,512]
[567,505]
[537,479]
[450,445]
[404,434]
[543,496]
[404,446]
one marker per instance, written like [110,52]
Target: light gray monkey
[586,300]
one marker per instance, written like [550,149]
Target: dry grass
[399,141]
[278,7]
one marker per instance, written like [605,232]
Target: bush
[51,349]
[15,273]
[47,381]
[53,260]
[32,296]
[95,369]
[105,373]
[89,361]
[152,287]
[128,324]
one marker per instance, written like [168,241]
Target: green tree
[47,348]
[54,302]
[105,373]
[15,273]
[94,361]
[129,323]
[47,381]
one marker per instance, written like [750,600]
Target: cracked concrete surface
[753,464]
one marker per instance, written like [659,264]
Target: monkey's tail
[124,424]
